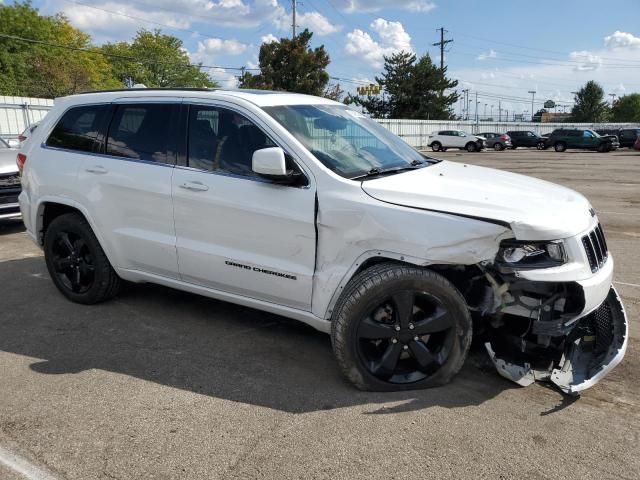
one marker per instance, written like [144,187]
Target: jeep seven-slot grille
[595,246]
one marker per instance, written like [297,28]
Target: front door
[238,232]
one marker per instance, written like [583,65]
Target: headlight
[517,254]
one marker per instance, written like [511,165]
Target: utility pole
[465,102]
[613,98]
[293,12]
[477,102]
[499,110]
[533,96]
[441,44]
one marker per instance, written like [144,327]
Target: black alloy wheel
[400,327]
[406,338]
[76,261]
[72,261]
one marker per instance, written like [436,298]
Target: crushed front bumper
[593,348]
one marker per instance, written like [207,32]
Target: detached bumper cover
[592,349]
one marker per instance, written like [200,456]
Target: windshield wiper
[375,172]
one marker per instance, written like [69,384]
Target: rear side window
[78,128]
[140,131]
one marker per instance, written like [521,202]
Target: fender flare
[39,235]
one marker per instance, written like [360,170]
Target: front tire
[471,147]
[541,146]
[560,147]
[399,327]
[436,146]
[76,262]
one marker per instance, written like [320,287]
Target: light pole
[491,112]
[533,96]
[485,111]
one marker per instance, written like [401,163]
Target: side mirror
[270,163]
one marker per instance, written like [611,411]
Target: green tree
[590,105]
[290,65]
[626,109]
[58,59]
[156,60]
[414,88]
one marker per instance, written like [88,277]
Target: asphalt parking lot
[162,384]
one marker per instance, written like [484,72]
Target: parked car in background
[526,138]
[563,138]
[497,141]
[445,139]
[628,136]
[9,182]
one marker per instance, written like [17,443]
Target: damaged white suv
[300,206]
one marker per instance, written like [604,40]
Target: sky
[501,49]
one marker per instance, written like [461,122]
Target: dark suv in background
[628,136]
[525,138]
[563,138]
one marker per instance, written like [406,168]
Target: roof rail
[147,89]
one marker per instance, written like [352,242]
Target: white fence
[17,113]
[416,132]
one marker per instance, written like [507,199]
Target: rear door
[238,232]
[126,185]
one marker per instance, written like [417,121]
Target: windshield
[346,141]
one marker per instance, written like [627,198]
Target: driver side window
[223,140]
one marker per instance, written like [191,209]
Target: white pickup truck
[444,139]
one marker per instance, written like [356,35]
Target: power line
[532,48]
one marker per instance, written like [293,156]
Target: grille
[11,180]
[595,246]
[601,322]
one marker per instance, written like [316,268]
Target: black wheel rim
[406,338]
[72,262]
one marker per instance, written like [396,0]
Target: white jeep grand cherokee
[300,206]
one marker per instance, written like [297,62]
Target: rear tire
[560,147]
[436,146]
[471,147]
[399,327]
[498,147]
[76,262]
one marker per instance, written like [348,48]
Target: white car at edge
[300,206]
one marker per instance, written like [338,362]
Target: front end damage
[540,331]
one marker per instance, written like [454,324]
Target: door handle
[194,186]
[99,169]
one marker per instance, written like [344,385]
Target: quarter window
[140,131]
[223,140]
[78,128]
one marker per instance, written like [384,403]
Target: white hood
[534,209]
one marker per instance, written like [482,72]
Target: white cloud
[113,24]
[589,60]
[392,38]
[314,21]
[357,6]
[485,55]
[268,38]
[621,39]
[225,78]
[211,48]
